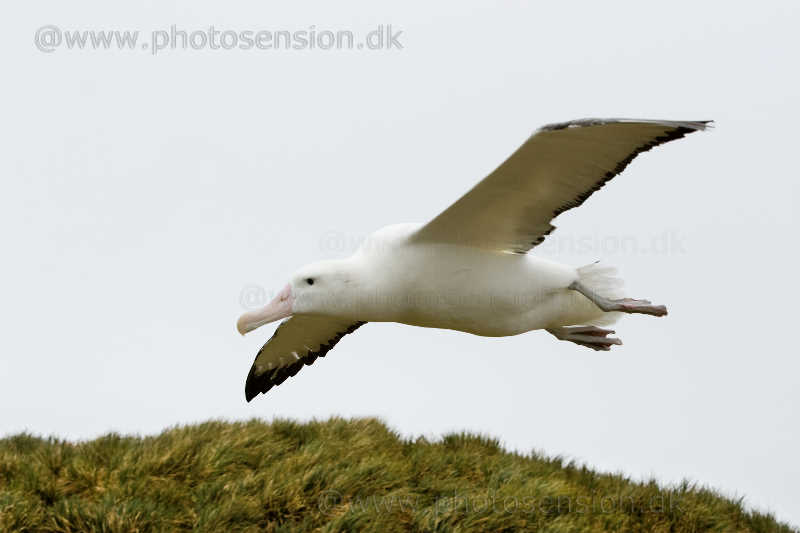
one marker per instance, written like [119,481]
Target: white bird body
[469,269]
[483,292]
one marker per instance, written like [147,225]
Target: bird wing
[297,341]
[557,168]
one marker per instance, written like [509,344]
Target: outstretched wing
[556,169]
[298,341]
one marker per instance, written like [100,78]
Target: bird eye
[310,281]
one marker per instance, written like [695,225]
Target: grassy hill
[338,475]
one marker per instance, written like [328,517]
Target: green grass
[338,475]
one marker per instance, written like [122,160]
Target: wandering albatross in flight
[468,268]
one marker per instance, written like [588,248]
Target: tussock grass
[336,475]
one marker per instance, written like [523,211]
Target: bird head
[321,288]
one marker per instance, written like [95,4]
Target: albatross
[469,268]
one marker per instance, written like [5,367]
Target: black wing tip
[255,384]
[687,125]
[261,383]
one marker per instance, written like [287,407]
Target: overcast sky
[144,195]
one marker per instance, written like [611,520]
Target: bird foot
[589,336]
[623,305]
[645,307]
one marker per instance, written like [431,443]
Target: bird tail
[603,280]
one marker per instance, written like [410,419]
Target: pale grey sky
[142,194]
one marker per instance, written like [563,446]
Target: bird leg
[624,305]
[589,336]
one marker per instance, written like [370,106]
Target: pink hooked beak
[279,307]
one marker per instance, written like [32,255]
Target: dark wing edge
[262,383]
[680,130]
[694,125]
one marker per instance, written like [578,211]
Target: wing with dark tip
[557,168]
[298,341]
